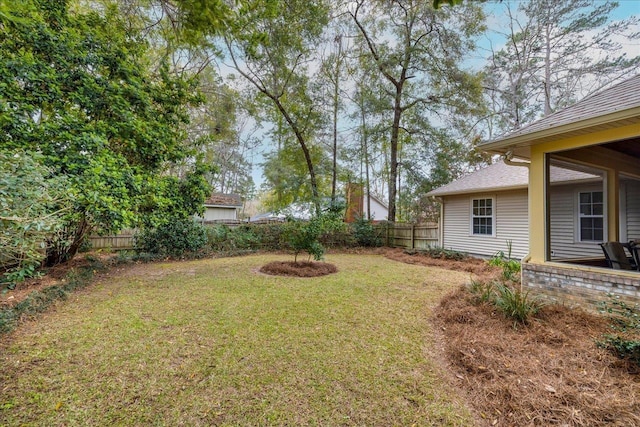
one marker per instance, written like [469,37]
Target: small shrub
[303,236]
[32,205]
[516,304]
[174,238]
[439,253]
[625,321]
[510,267]
[483,292]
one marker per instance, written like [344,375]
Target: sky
[496,18]
[495,11]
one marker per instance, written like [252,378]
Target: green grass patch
[212,342]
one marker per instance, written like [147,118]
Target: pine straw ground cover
[298,268]
[547,373]
[212,342]
[550,372]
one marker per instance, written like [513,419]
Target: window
[482,217]
[590,213]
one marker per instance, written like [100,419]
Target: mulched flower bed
[298,269]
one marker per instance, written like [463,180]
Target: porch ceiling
[630,147]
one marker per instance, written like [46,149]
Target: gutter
[552,131]
[507,159]
[440,221]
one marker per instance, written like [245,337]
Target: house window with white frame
[591,216]
[482,217]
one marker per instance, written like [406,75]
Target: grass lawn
[212,342]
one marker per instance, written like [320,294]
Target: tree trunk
[305,150]
[547,70]
[365,148]
[57,250]
[336,93]
[393,162]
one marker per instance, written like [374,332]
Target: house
[268,217]
[600,136]
[487,211]
[221,207]
[359,205]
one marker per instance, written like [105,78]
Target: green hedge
[222,238]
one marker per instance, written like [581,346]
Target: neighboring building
[358,205]
[268,217]
[599,135]
[221,207]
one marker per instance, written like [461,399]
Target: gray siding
[632,193]
[219,213]
[511,222]
[564,232]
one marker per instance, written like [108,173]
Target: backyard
[392,338]
[214,342]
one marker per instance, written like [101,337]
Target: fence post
[413,236]
[387,239]
[386,235]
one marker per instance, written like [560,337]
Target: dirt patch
[548,373]
[298,269]
[50,277]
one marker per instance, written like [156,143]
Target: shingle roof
[602,106]
[222,199]
[500,176]
[622,96]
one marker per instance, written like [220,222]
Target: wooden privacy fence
[412,236]
[124,239]
[120,241]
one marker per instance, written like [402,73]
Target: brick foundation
[582,286]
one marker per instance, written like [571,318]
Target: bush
[221,238]
[173,238]
[270,236]
[31,208]
[335,232]
[625,321]
[303,236]
[365,234]
[515,304]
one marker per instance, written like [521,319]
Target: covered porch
[597,139]
[578,217]
[604,208]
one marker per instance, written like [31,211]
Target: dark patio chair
[634,248]
[617,257]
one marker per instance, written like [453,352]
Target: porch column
[613,205]
[537,206]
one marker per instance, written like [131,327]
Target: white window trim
[578,228]
[493,215]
